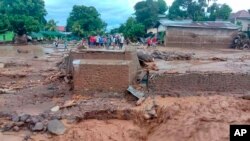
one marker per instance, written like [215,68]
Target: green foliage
[51,25]
[132,29]
[146,12]
[178,10]
[23,15]
[219,12]
[223,12]
[84,20]
[191,9]
[4,23]
[162,6]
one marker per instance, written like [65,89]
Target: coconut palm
[51,25]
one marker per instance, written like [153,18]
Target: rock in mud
[19,124]
[16,128]
[246,97]
[56,127]
[34,120]
[55,109]
[24,117]
[15,118]
[8,127]
[38,126]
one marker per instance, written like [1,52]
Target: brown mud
[31,83]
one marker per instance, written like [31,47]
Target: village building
[241,18]
[196,34]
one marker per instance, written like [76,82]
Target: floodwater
[29,50]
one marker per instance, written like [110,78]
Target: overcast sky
[113,12]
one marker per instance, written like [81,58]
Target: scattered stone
[218,59]
[150,111]
[246,97]
[55,109]
[145,57]
[58,117]
[56,127]
[19,124]
[66,79]
[34,120]
[8,127]
[15,118]
[140,101]
[38,126]
[35,57]
[16,128]
[69,103]
[24,117]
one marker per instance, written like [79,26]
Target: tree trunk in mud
[21,39]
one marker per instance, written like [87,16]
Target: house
[198,34]
[61,28]
[241,18]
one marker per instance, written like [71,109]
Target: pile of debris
[241,41]
[170,56]
[167,56]
[37,123]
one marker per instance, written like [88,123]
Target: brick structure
[193,82]
[207,34]
[103,70]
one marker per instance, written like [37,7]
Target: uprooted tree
[84,21]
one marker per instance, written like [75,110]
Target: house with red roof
[242,18]
[61,28]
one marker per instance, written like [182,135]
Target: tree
[195,10]
[192,9]
[146,12]
[132,29]
[178,9]
[51,25]
[162,6]
[218,11]
[4,23]
[84,20]
[24,15]
[223,12]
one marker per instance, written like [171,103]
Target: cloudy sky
[113,12]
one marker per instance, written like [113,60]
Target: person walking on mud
[65,44]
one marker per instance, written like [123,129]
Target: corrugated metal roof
[203,24]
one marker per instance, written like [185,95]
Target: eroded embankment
[186,118]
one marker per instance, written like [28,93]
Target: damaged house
[210,34]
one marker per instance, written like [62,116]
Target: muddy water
[11,51]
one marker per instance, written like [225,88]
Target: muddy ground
[31,83]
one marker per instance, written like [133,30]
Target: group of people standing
[152,41]
[106,41]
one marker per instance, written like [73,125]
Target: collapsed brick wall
[220,82]
[199,37]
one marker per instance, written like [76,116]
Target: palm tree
[51,25]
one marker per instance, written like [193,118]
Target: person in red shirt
[154,41]
[149,42]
